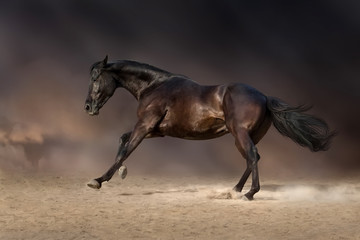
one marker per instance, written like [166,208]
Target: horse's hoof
[123,171]
[249,196]
[94,184]
[237,189]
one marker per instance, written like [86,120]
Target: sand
[58,206]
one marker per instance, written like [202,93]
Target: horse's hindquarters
[245,107]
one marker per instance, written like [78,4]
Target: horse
[174,105]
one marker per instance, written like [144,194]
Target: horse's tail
[302,128]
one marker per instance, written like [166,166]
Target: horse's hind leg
[239,186]
[256,137]
[247,148]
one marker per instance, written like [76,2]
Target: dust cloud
[295,192]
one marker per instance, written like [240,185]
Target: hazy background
[300,51]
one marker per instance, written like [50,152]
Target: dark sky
[300,51]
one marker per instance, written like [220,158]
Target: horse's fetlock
[255,189]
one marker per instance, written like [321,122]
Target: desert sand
[59,206]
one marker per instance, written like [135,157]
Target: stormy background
[302,52]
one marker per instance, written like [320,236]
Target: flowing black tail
[302,128]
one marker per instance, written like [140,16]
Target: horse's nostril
[87,107]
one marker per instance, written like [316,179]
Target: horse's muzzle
[91,110]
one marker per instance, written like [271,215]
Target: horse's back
[180,89]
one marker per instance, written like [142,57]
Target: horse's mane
[131,66]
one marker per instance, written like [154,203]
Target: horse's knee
[124,138]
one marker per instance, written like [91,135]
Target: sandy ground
[55,206]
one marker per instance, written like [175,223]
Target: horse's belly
[195,130]
[194,114]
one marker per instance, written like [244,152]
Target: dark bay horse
[174,105]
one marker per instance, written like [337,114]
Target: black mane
[131,66]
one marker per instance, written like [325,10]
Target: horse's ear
[104,62]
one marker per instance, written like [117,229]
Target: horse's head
[102,86]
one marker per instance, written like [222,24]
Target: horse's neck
[134,85]
[137,81]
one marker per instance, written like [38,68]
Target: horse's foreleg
[143,128]
[135,139]
[124,139]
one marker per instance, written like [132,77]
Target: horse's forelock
[94,66]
